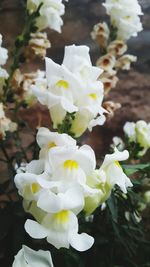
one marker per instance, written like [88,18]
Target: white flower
[73,87]
[70,166]
[143,134]
[139,133]
[27,257]
[105,178]
[61,230]
[124,16]
[129,130]
[118,142]
[125,61]
[50,13]
[3,53]
[47,140]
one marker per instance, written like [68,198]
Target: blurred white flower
[3,53]
[143,134]
[50,13]
[138,132]
[73,87]
[118,142]
[27,257]
[124,16]
[61,230]
[129,130]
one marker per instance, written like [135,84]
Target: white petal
[81,242]
[35,230]
[37,258]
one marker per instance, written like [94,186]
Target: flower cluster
[139,133]
[6,125]
[62,183]
[50,13]
[3,72]
[124,15]
[28,257]
[73,88]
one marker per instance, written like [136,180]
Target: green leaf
[131,169]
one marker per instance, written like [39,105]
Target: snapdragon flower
[61,230]
[105,178]
[139,133]
[73,87]
[124,16]
[50,13]
[54,188]
[28,257]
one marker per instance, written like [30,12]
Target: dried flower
[111,107]
[6,125]
[117,48]
[101,33]
[37,46]
[124,62]
[21,84]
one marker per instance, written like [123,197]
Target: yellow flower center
[35,188]
[118,164]
[93,96]
[63,83]
[62,216]
[51,145]
[71,164]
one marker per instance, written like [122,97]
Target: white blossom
[73,87]
[61,230]
[27,257]
[124,16]
[50,13]
[139,133]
